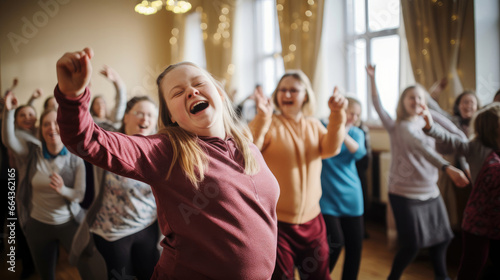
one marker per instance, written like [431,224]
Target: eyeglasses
[141,115]
[292,91]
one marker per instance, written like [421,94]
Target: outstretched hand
[427,116]
[10,101]
[370,70]
[110,73]
[264,104]
[337,101]
[74,71]
[438,87]
[37,93]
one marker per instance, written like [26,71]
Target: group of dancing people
[227,200]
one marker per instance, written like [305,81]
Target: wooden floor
[375,263]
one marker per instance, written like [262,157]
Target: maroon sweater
[225,229]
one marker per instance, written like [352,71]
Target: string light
[178,7]
[149,7]
[146,8]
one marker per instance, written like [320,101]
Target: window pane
[385,55]
[267,19]
[360,61]
[194,48]
[383,14]
[359,16]
[270,65]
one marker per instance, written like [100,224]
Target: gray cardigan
[28,152]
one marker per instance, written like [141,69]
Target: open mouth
[287,102]
[143,126]
[198,107]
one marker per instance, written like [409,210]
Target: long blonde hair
[310,104]
[485,125]
[191,156]
[401,113]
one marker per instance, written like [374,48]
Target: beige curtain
[217,19]
[300,24]
[438,46]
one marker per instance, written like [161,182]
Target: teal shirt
[342,193]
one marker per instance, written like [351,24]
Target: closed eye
[178,93]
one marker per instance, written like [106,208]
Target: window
[372,37]
[270,66]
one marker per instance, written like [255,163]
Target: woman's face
[467,106]
[141,119]
[50,129]
[353,114]
[291,96]
[99,107]
[26,118]
[412,101]
[193,101]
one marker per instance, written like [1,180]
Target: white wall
[487,29]
[35,34]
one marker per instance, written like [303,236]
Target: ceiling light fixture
[148,7]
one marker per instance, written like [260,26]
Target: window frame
[350,39]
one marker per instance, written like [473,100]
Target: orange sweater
[293,151]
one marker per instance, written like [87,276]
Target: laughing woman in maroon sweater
[216,198]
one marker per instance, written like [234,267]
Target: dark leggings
[44,240]
[345,232]
[408,252]
[133,255]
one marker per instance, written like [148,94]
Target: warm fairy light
[426,40]
[146,8]
[149,7]
[178,7]
[230,69]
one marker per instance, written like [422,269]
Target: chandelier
[149,7]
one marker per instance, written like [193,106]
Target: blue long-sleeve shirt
[342,192]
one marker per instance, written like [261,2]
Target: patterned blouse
[128,207]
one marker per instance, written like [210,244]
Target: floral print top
[128,207]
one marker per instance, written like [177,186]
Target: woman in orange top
[293,144]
